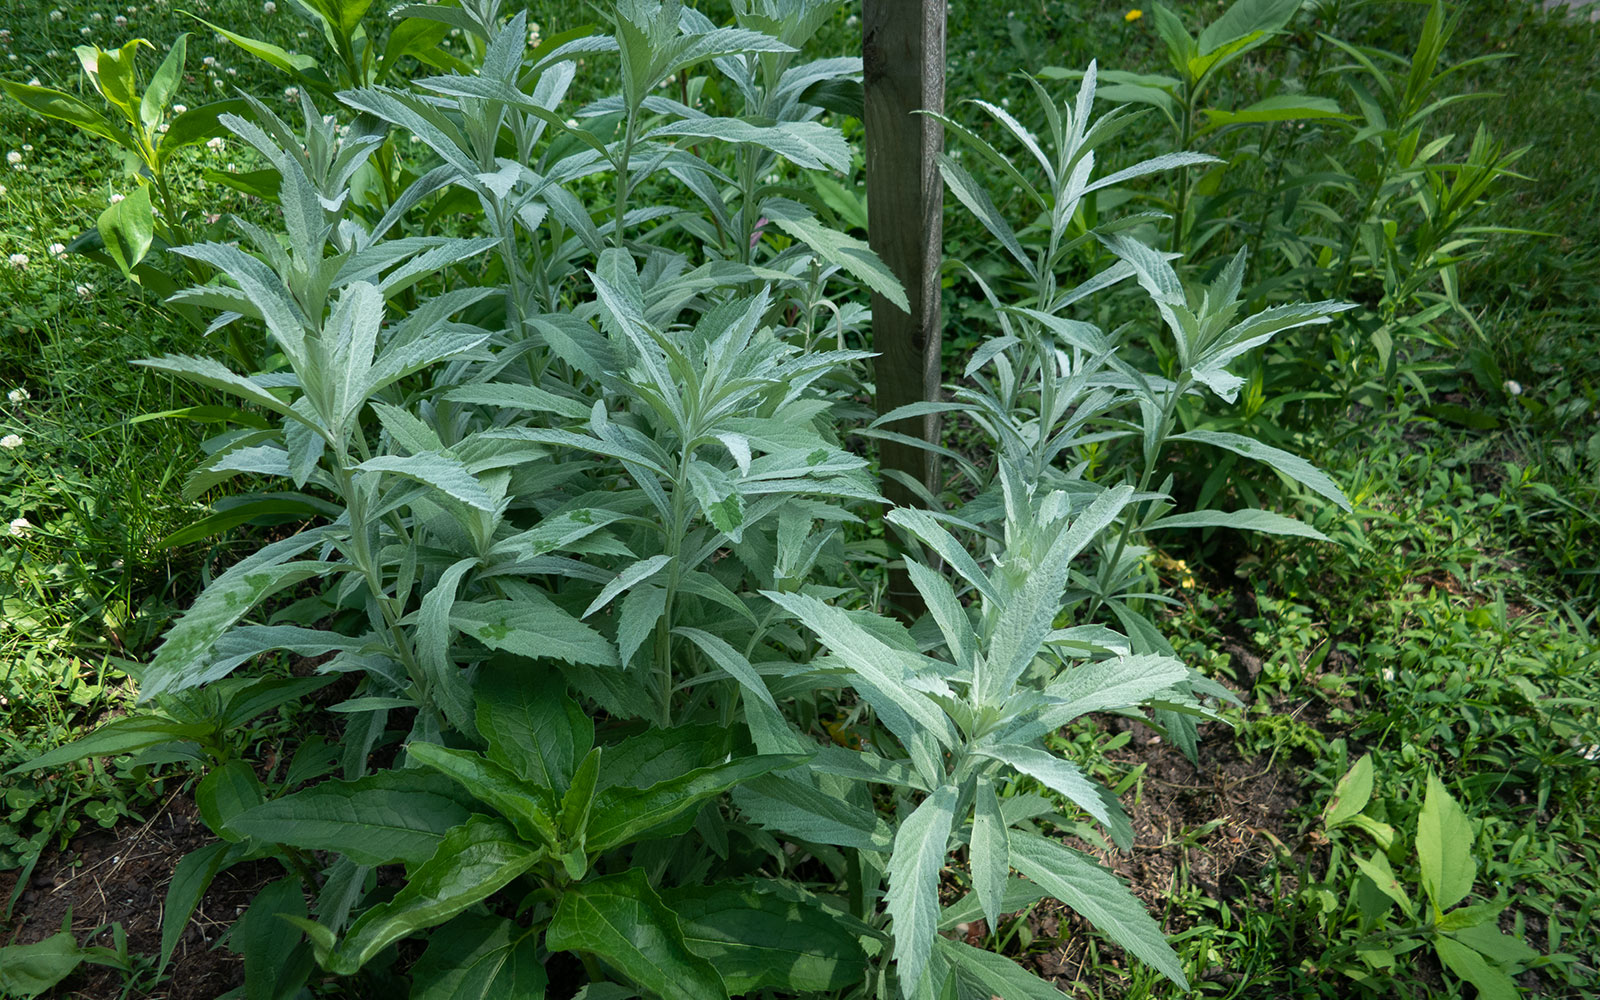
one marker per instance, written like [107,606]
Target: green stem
[1168,411]
[1180,210]
[674,548]
[621,164]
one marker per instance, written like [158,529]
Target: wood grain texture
[903,57]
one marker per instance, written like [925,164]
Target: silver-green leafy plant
[577,518]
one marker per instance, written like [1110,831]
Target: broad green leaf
[197,125]
[27,970]
[621,920]
[1278,108]
[1350,795]
[480,958]
[226,792]
[1099,896]
[128,229]
[1484,937]
[578,802]
[621,814]
[1377,869]
[525,804]
[1293,466]
[530,724]
[163,84]
[295,65]
[989,852]
[661,753]
[533,627]
[1245,18]
[67,108]
[1492,983]
[1444,848]
[119,736]
[757,940]
[1247,519]
[384,818]
[920,847]
[1063,776]
[834,247]
[473,861]
[276,962]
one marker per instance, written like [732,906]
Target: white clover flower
[20,527]
[209,61]
[27,147]
[58,249]
[14,157]
[179,109]
[269,7]
[19,395]
[58,15]
[120,21]
[291,92]
[97,16]
[35,81]
[84,291]
[2,190]
[1513,387]
[19,260]
[1388,674]
[117,197]
[86,31]
[10,441]
[215,142]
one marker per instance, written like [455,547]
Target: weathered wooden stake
[903,63]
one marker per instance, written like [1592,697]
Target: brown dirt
[120,875]
[1253,804]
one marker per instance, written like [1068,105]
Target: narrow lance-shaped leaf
[1099,896]
[920,846]
[989,852]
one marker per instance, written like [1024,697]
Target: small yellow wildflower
[1133,15]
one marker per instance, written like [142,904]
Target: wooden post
[903,67]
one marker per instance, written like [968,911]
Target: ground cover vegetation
[446,555]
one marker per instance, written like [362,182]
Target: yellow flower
[1133,15]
